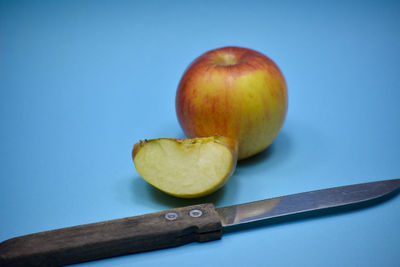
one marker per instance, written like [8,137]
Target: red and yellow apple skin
[235,92]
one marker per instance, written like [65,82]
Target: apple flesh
[186,168]
[234,92]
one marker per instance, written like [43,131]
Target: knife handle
[113,238]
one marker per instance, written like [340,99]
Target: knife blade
[174,227]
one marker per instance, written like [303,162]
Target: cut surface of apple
[186,168]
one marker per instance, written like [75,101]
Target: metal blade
[305,202]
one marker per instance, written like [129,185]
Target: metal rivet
[170,216]
[195,213]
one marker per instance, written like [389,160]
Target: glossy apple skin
[235,92]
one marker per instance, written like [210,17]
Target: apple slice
[186,168]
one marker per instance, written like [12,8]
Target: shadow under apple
[151,196]
[272,157]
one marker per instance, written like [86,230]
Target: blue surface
[82,81]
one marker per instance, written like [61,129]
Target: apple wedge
[186,168]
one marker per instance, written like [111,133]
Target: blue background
[82,81]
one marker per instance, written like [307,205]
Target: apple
[234,92]
[186,168]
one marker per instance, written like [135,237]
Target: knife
[175,227]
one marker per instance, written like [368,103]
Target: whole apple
[234,92]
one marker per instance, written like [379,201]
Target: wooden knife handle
[113,238]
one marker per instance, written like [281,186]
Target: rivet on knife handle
[113,238]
